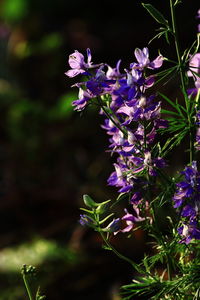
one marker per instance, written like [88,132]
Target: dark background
[50,156]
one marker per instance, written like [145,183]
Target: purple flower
[142,57]
[131,219]
[85,220]
[188,232]
[120,179]
[78,64]
[114,73]
[194,69]
[114,226]
[137,196]
[187,200]
[84,97]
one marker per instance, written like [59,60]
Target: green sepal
[102,207]
[87,210]
[106,218]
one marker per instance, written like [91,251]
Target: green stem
[174,30]
[28,289]
[121,256]
[181,68]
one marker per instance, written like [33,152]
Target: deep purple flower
[113,226]
[187,200]
[137,196]
[99,84]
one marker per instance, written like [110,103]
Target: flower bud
[114,226]
[89,201]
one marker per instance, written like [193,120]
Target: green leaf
[177,2]
[121,197]
[177,106]
[106,247]
[172,142]
[157,36]
[169,112]
[155,14]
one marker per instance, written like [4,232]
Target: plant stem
[28,289]
[174,30]
[121,256]
[181,70]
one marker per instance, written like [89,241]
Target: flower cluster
[132,118]
[187,201]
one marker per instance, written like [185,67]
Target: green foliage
[155,14]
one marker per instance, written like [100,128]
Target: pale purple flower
[142,57]
[194,71]
[114,73]
[84,97]
[78,64]
[131,219]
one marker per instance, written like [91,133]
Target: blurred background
[50,156]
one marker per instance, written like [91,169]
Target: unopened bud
[89,201]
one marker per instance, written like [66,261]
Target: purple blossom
[136,118]
[187,201]
[189,232]
[194,72]
[131,219]
[78,64]
[98,83]
[85,220]
[142,57]
[113,226]
[84,97]
[120,179]
[114,73]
